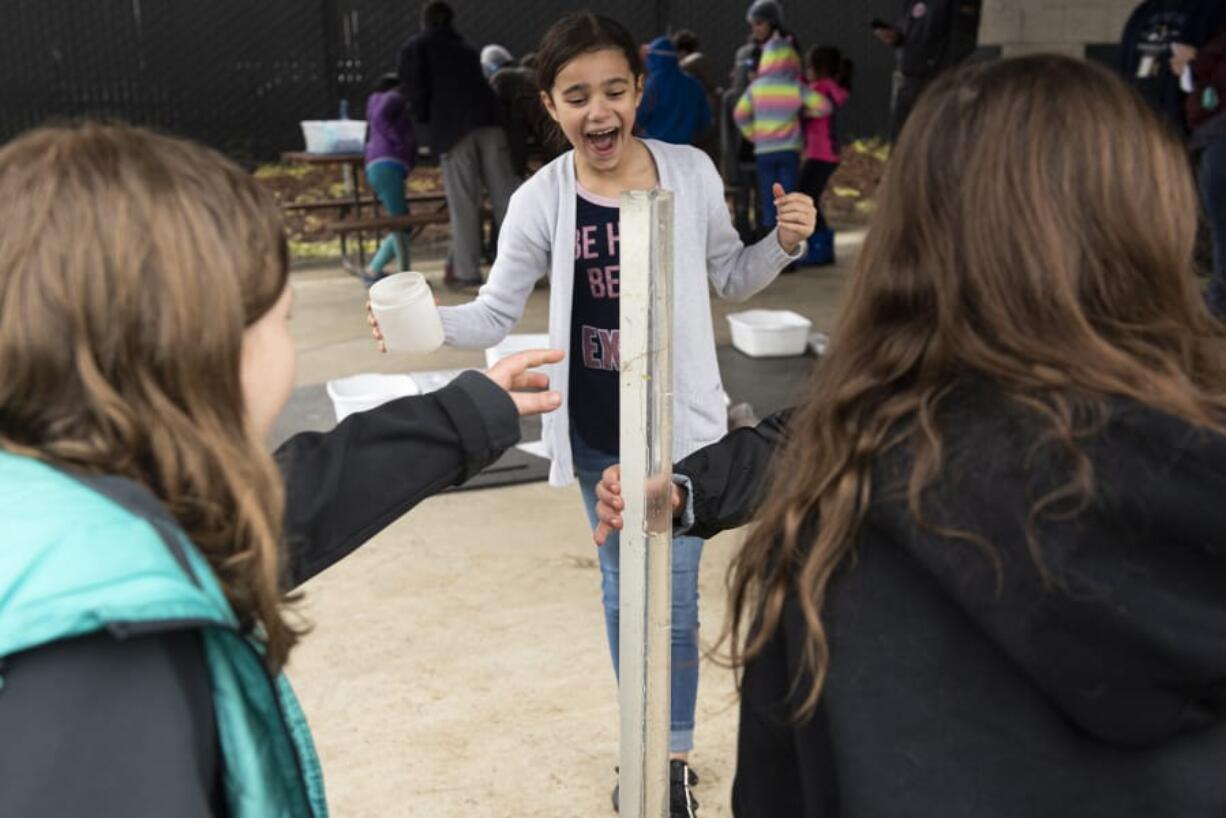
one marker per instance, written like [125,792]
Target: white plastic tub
[357,393]
[515,343]
[334,135]
[769,333]
[819,342]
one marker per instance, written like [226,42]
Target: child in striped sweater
[769,114]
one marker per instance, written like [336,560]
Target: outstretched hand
[609,503]
[797,217]
[511,373]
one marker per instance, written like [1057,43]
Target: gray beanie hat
[766,11]
[494,57]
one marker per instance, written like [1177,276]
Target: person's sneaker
[369,278]
[681,801]
[685,797]
[456,284]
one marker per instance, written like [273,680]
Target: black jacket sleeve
[728,478]
[99,726]
[344,486]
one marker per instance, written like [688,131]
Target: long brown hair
[1035,228]
[131,264]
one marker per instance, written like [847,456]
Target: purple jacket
[389,129]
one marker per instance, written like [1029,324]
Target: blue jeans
[782,167]
[386,179]
[687,551]
[1213,197]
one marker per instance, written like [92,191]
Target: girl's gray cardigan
[538,238]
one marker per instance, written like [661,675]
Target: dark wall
[236,74]
[240,74]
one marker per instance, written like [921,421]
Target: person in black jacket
[141,376]
[985,574]
[1145,54]
[442,77]
[930,36]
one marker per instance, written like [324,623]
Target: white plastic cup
[404,307]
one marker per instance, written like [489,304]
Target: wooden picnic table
[351,173]
[350,165]
[354,201]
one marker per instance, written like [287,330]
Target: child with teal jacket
[148,536]
[769,115]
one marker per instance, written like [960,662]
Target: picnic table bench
[358,210]
[413,222]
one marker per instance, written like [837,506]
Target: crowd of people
[983,578]
[771,119]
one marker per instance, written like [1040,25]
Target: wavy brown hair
[130,265]
[1035,228]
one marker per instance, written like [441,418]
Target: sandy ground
[457,663]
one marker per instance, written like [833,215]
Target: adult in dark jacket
[447,90]
[143,566]
[1145,51]
[930,36]
[674,107]
[1002,518]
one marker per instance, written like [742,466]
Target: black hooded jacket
[959,691]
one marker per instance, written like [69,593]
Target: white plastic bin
[357,393]
[819,342]
[334,135]
[769,333]
[434,379]
[515,343]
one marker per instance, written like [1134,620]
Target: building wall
[1065,26]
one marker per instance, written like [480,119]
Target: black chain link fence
[240,75]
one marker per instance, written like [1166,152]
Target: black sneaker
[681,801]
[456,284]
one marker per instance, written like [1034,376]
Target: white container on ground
[334,135]
[769,333]
[515,343]
[819,342]
[357,393]
[434,379]
[408,317]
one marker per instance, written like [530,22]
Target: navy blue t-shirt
[593,402]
